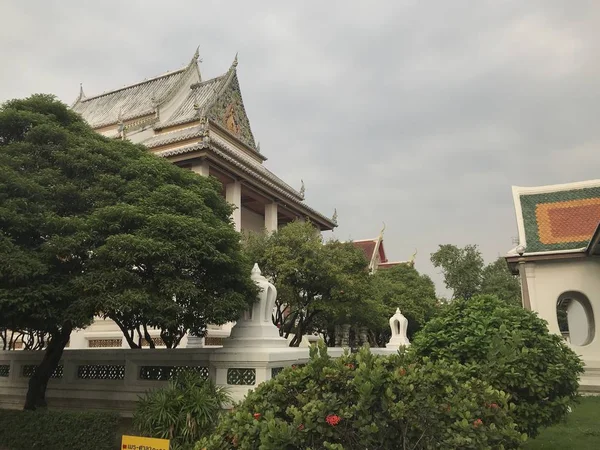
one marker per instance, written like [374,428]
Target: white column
[271,217]
[200,167]
[233,194]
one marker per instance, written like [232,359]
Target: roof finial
[81,94]
[196,55]
[335,216]
[258,146]
[235,61]
[382,230]
[302,189]
[412,259]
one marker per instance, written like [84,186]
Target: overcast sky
[419,114]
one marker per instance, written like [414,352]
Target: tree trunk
[36,394]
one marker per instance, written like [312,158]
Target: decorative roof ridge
[555,187]
[181,82]
[278,181]
[203,82]
[238,140]
[366,240]
[227,77]
[126,118]
[165,139]
[267,180]
[139,83]
[513,252]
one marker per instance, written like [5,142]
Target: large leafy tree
[461,268]
[403,287]
[467,275]
[496,279]
[90,225]
[317,283]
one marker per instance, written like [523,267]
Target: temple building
[375,253]
[558,262]
[200,125]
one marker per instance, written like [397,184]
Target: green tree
[461,267]
[90,225]
[316,282]
[466,274]
[496,279]
[510,348]
[403,287]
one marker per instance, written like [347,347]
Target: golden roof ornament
[413,257]
[382,231]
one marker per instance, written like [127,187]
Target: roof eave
[594,242]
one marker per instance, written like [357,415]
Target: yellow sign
[143,443]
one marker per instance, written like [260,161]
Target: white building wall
[548,280]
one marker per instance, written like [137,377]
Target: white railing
[98,379]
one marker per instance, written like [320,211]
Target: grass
[580,432]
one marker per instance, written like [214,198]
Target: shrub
[513,350]
[58,430]
[183,411]
[363,401]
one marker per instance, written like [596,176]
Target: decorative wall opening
[241,377]
[575,317]
[29,369]
[101,372]
[165,373]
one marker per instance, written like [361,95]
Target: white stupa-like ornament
[255,328]
[399,326]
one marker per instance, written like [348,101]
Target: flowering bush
[513,350]
[364,401]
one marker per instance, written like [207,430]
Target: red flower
[301,427]
[333,419]
[402,371]
[350,366]
[494,406]
[477,423]
[294,366]
[256,416]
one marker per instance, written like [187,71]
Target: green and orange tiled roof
[560,217]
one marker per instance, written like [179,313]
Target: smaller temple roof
[557,218]
[375,253]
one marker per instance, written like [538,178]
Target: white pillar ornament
[255,328]
[399,326]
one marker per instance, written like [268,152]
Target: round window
[576,318]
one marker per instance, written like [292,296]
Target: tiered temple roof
[181,117]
